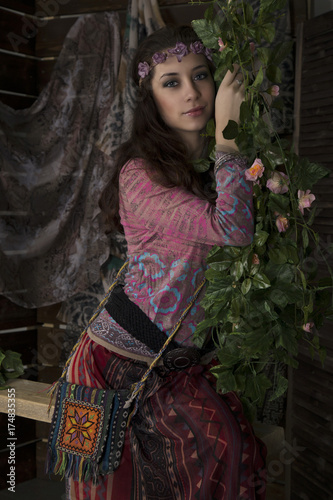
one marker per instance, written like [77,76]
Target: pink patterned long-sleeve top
[169,232]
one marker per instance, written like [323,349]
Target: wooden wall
[312,387]
[32,33]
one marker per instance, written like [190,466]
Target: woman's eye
[201,76]
[170,83]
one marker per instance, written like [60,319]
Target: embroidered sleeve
[179,214]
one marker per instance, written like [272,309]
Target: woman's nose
[191,90]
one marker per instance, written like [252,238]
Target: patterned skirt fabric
[185,442]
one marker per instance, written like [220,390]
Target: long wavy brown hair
[167,158]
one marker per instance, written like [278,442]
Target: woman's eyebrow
[175,74]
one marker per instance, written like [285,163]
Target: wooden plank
[31,399]
[70,7]
[316,103]
[50,37]
[312,439]
[17,101]
[18,74]
[325,93]
[26,6]
[318,47]
[48,314]
[49,345]
[14,316]
[23,342]
[304,488]
[318,25]
[15,33]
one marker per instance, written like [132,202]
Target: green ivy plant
[264,299]
[10,366]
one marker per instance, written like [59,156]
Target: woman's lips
[195,111]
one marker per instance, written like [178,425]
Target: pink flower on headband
[143,69]
[179,51]
[197,47]
[208,54]
[159,57]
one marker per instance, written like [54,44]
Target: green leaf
[309,173]
[260,237]
[201,165]
[14,374]
[281,386]
[274,74]
[246,285]
[259,78]
[260,281]
[231,130]
[267,6]
[278,297]
[257,386]
[228,359]
[236,270]
[278,255]
[278,203]
[226,381]
[208,31]
[245,112]
[263,54]
[279,52]
[248,13]
[209,12]
[210,128]
[2,357]
[305,238]
[287,340]
[268,32]
[12,359]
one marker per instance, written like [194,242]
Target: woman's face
[184,93]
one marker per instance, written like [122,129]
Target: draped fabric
[57,155]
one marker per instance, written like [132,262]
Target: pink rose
[305,198]
[278,183]
[274,90]
[255,259]
[282,223]
[256,170]
[221,45]
[308,327]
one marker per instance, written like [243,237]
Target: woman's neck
[195,144]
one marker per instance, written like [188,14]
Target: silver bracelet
[224,157]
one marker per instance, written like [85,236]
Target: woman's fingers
[231,77]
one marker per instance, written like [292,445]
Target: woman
[185,441]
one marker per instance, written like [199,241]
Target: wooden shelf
[32,400]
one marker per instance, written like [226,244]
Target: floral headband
[180,50]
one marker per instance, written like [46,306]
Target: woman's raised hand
[229,97]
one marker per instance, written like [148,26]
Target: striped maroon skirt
[186,442]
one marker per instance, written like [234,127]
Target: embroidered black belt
[130,317]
